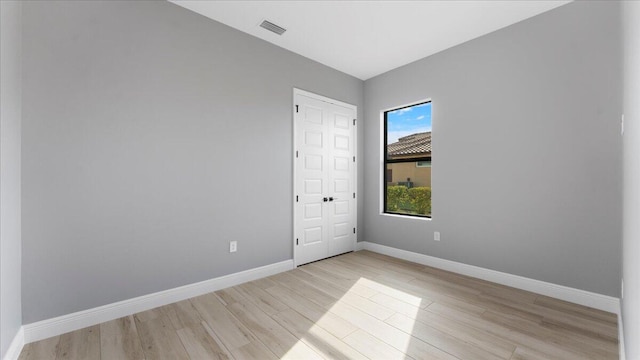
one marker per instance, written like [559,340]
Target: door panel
[311,182]
[313,236]
[341,177]
[325,179]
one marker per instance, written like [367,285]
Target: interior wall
[526,172]
[10,123]
[631,229]
[153,136]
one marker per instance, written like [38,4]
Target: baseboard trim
[360,245]
[81,319]
[15,348]
[577,296]
[621,351]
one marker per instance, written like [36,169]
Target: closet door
[324,179]
[341,179]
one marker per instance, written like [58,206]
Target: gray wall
[152,136]
[631,230]
[10,122]
[535,109]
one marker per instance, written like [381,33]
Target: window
[407,160]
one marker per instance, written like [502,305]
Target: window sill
[419,218]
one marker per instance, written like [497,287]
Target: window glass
[407,160]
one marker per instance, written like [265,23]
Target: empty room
[319,179]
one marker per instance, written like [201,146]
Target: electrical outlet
[233,246]
[436,235]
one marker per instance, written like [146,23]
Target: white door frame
[296,92]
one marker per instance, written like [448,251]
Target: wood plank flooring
[355,306]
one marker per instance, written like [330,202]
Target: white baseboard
[15,348]
[621,351]
[81,319]
[577,296]
[360,245]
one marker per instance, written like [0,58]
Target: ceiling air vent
[272,27]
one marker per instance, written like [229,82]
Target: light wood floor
[356,306]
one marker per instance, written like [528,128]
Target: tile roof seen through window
[414,144]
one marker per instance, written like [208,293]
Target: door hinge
[354,159]
[296,198]
[354,230]
[296,153]
[354,195]
[354,122]
[296,241]
[296,108]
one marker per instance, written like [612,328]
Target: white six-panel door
[324,177]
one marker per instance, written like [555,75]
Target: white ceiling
[368,38]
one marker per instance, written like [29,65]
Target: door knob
[331,199]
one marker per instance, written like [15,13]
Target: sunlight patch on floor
[379,337]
